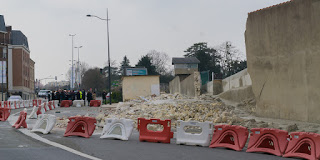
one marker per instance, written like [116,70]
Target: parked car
[44,93]
[15,98]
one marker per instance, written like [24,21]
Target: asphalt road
[14,145]
[133,149]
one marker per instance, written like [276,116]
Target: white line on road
[25,131]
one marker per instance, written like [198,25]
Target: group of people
[72,95]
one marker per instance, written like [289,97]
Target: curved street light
[107,20]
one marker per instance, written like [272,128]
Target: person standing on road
[73,96]
[52,95]
[89,97]
[104,99]
[58,96]
[84,96]
[78,95]
[94,96]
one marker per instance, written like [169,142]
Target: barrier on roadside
[229,136]
[15,104]
[44,124]
[4,113]
[66,103]
[33,114]
[95,103]
[80,126]
[39,101]
[1,104]
[45,106]
[41,109]
[35,102]
[163,136]
[21,122]
[268,140]
[78,103]
[194,133]
[303,145]
[6,104]
[117,129]
[50,105]
[55,103]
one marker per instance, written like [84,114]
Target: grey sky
[136,27]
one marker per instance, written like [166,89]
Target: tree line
[223,60]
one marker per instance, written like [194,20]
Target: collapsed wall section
[283,56]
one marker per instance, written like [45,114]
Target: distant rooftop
[186,60]
[2,24]
[18,38]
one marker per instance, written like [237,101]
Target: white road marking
[12,118]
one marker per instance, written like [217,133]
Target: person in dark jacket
[73,95]
[104,98]
[53,96]
[63,96]
[78,95]
[84,96]
[89,97]
[58,96]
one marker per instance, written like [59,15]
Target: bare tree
[83,67]
[159,60]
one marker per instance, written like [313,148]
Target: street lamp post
[107,20]
[71,85]
[78,67]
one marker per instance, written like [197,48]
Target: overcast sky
[136,27]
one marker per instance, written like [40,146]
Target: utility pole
[109,70]
[72,83]
[109,58]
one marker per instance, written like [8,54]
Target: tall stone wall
[283,55]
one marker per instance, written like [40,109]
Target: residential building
[187,79]
[19,66]
[186,65]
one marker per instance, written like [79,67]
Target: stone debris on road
[179,107]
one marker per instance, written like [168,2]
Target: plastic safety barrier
[55,103]
[66,103]
[80,126]
[117,129]
[163,136]
[21,122]
[4,113]
[95,103]
[1,104]
[33,114]
[194,133]
[39,101]
[303,145]
[50,105]
[41,109]
[5,103]
[273,141]
[15,104]
[44,124]
[35,102]
[78,103]
[46,106]
[229,136]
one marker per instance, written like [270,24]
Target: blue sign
[136,71]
